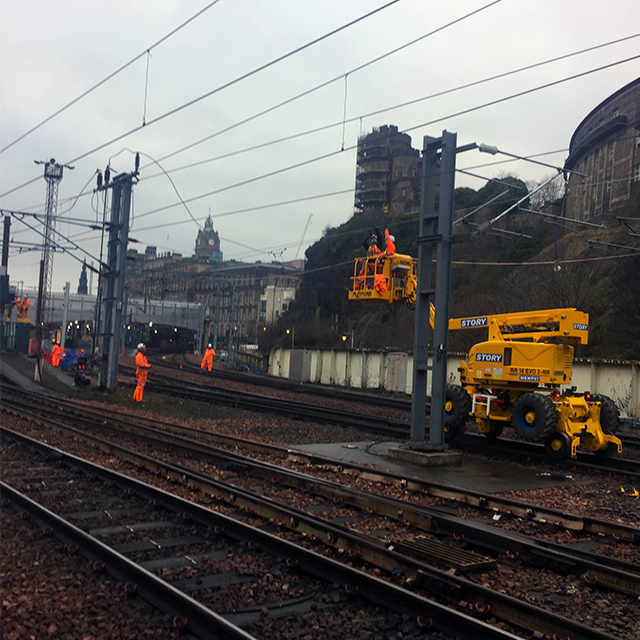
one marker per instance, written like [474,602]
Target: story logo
[473,322]
[580,327]
[488,357]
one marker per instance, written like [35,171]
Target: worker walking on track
[208,357]
[142,369]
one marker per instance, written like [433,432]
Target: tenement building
[233,292]
[387,174]
[605,148]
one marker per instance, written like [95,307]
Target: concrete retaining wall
[394,372]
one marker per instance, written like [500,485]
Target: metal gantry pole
[115,279]
[435,236]
[65,315]
[443,289]
[109,284]
[121,264]
[427,228]
[53,176]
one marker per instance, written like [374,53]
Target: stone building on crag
[606,149]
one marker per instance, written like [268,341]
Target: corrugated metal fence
[394,372]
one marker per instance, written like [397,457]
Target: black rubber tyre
[457,405]
[558,445]
[496,429]
[609,414]
[534,417]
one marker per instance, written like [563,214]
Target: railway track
[162,430]
[484,601]
[384,426]
[221,578]
[180,362]
[296,410]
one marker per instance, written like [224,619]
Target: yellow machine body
[505,364]
[387,279]
[504,375]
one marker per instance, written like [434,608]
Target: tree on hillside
[552,193]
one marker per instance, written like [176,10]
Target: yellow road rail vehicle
[520,377]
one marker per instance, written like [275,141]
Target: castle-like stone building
[605,148]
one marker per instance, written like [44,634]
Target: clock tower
[208,243]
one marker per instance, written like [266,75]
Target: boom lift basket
[388,279]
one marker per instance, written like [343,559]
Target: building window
[405,172]
[636,173]
[638,136]
[611,151]
[404,194]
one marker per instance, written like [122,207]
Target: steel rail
[289,408]
[513,611]
[616,574]
[473,498]
[380,592]
[392,428]
[204,622]
[284,384]
[584,461]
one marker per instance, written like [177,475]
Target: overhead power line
[325,156]
[239,79]
[526,92]
[353,147]
[364,115]
[322,85]
[360,117]
[218,89]
[111,75]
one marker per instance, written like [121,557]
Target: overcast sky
[51,53]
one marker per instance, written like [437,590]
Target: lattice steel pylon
[53,176]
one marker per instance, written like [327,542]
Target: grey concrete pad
[20,370]
[478,474]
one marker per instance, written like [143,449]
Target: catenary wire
[466,111]
[322,85]
[353,147]
[111,75]
[379,111]
[218,89]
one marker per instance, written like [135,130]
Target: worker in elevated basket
[142,369]
[208,357]
[390,243]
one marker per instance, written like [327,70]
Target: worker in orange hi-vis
[390,243]
[208,357]
[56,354]
[142,369]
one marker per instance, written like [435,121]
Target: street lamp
[292,333]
